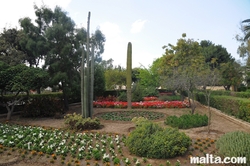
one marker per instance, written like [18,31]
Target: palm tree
[246,28]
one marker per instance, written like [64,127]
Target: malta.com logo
[211,159]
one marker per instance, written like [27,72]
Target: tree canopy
[19,78]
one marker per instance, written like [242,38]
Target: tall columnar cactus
[85,79]
[129,75]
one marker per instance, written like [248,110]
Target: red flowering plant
[144,104]
[152,98]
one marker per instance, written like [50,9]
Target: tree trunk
[65,97]
[209,114]
[10,110]
[227,87]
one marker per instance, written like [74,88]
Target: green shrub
[137,93]
[43,106]
[187,121]
[77,122]
[170,98]
[234,144]
[122,96]
[139,120]
[150,91]
[97,154]
[235,106]
[152,141]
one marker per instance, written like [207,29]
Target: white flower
[105,156]
[81,149]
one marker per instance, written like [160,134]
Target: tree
[63,49]
[10,49]
[246,28]
[99,81]
[209,77]
[115,77]
[181,66]
[33,43]
[147,78]
[16,79]
[218,52]
[231,74]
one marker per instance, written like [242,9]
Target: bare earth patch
[220,124]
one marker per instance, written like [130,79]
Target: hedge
[38,105]
[43,105]
[231,93]
[235,106]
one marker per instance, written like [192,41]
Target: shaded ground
[219,125]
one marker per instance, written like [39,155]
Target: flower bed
[152,98]
[145,104]
[102,148]
[129,115]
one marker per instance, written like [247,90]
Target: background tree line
[54,39]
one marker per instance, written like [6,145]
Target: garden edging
[228,117]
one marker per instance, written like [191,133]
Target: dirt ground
[219,124]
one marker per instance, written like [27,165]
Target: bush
[43,106]
[122,96]
[77,122]
[187,121]
[235,106]
[152,141]
[234,144]
[137,93]
[150,91]
[170,98]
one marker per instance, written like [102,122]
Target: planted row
[145,104]
[187,121]
[129,115]
[88,146]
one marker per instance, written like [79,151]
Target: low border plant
[187,121]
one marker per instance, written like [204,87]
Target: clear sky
[148,24]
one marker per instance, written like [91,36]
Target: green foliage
[137,93]
[77,122]
[46,105]
[150,91]
[231,75]
[246,28]
[122,96]
[218,52]
[21,78]
[245,94]
[97,154]
[160,143]
[10,49]
[235,106]
[139,120]
[115,77]
[129,115]
[99,80]
[187,121]
[182,66]
[234,144]
[148,78]
[170,98]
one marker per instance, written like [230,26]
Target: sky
[147,24]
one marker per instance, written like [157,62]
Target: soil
[220,124]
